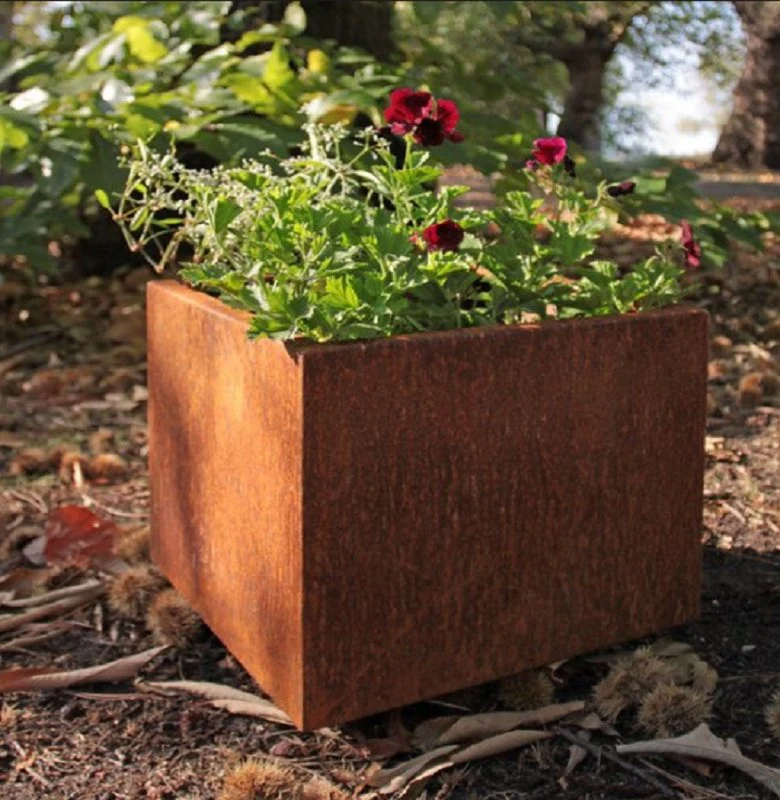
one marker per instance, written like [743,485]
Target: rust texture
[371,524]
[225,423]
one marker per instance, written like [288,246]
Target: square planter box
[370,524]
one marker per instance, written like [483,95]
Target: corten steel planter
[370,524]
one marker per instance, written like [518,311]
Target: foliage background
[80,81]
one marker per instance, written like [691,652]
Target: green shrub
[155,71]
[339,243]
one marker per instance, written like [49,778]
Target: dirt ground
[72,432]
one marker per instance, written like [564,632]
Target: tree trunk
[366,24]
[581,119]
[751,137]
[602,29]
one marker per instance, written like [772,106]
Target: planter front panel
[388,521]
[481,502]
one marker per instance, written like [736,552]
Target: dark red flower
[407,109]
[431,122]
[569,166]
[445,235]
[532,164]
[550,151]
[619,189]
[690,245]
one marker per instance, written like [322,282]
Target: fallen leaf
[35,633]
[481,726]
[593,722]
[577,754]
[10,622]
[42,679]
[395,778]
[226,697]
[495,745]
[76,535]
[701,743]
[428,764]
[56,594]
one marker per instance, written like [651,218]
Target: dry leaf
[76,535]
[9,622]
[425,766]
[481,726]
[263,709]
[495,745]
[577,754]
[701,743]
[42,679]
[593,722]
[36,633]
[391,780]
[56,594]
[226,697]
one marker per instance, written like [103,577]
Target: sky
[669,110]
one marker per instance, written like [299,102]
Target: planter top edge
[308,348]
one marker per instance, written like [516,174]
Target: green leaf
[278,73]
[12,136]
[140,39]
[226,211]
[250,90]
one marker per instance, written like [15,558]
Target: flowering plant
[344,242]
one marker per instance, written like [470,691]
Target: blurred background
[625,82]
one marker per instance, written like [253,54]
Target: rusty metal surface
[435,510]
[225,477]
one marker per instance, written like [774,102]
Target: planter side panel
[225,471]
[482,502]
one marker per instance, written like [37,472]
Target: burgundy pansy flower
[619,189]
[433,130]
[690,245]
[431,122]
[550,151]
[407,109]
[444,236]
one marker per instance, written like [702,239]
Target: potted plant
[455,444]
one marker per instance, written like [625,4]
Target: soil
[72,363]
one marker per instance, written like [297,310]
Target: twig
[754,676]
[90,501]
[700,790]
[598,751]
[32,499]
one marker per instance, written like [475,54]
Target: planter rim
[305,346]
